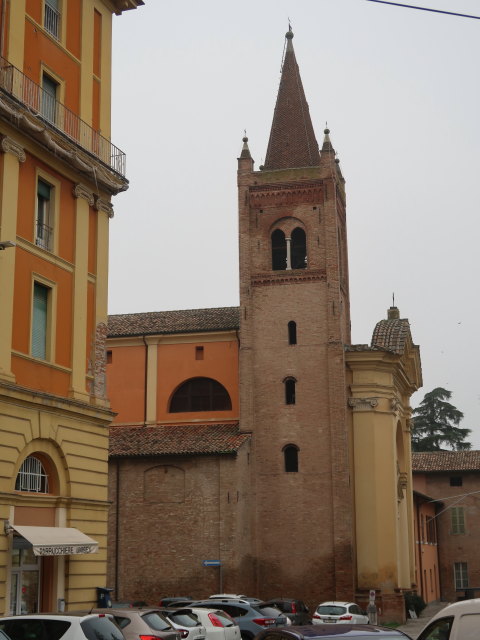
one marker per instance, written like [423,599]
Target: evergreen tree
[436,423]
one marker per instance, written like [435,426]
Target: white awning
[57,541]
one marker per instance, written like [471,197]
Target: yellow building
[58,172]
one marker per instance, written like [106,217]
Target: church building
[256,450]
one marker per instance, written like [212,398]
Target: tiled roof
[176,440]
[391,334]
[446,461]
[186,321]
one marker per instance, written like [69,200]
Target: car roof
[56,616]
[335,603]
[461,607]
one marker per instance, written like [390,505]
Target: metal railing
[44,236]
[43,104]
[51,21]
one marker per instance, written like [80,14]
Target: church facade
[259,437]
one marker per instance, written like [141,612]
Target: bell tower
[295,321]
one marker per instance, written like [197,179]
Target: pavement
[414,626]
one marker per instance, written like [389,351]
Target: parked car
[142,623]
[457,621]
[219,624]
[296,610]
[186,622]
[61,627]
[3,636]
[337,632]
[166,602]
[251,618]
[341,612]
[234,596]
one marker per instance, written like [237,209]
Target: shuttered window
[39,321]
[458,520]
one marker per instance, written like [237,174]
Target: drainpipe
[117,527]
[146,380]
[420,563]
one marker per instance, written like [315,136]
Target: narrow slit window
[199,352]
[292,332]
[290,455]
[290,391]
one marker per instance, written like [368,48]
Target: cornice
[294,276]
[288,193]
[103,205]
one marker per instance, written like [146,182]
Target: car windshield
[35,628]
[331,610]
[270,611]
[184,618]
[155,621]
[99,628]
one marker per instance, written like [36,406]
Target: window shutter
[39,321]
[43,190]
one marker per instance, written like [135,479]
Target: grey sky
[400,91]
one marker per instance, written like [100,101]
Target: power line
[412,6]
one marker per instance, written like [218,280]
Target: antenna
[393,299]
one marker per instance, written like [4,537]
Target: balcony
[47,109]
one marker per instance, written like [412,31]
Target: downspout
[420,563]
[117,526]
[146,381]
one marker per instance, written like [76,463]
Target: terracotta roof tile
[185,321]
[175,440]
[391,334]
[446,461]
[292,140]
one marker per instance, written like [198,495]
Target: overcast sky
[400,91]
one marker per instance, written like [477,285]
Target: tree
[436,423]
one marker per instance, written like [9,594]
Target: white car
[219,625]
[339,612]
[185,621]
[457,621]
[61,627]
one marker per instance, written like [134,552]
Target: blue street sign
[212,563]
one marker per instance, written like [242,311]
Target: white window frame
[458,521]
[460,575]
[52,16]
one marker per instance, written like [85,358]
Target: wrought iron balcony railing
[44,236]
[54,113]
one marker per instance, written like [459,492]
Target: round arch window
[200,394]
[33,476]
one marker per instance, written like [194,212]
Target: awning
[57,541]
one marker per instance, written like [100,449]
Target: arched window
[32,476]
[279,251]
[290,457]
[299,249]
[290,391]
[200,394]
[292,332]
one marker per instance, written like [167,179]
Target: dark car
[142,623]
[294,609]
[251,618]
[333,632]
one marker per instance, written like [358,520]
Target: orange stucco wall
[176,363]
[126,383]
[41,50]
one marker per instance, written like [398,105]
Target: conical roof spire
[292,140]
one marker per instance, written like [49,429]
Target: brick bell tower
[295,321]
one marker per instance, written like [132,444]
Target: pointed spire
[327,146]
[292,140]
[245,150]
